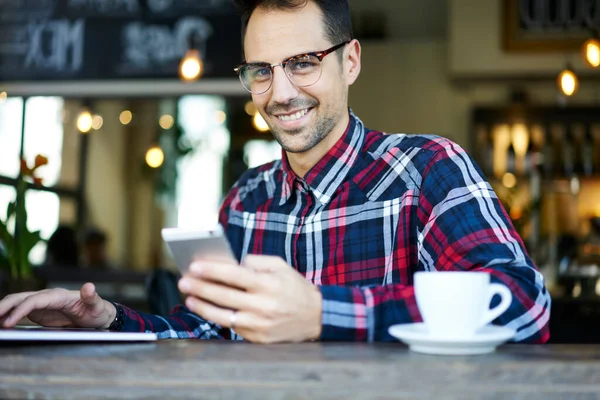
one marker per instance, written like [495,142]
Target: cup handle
[505,300]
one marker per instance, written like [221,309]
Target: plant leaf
[10,210]
[30,239]
[6,238]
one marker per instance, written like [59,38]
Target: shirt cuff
[346,315]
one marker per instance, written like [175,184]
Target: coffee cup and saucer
[455,307]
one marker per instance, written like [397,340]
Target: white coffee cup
[456,303]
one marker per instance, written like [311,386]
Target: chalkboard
[549,25]
[115,39]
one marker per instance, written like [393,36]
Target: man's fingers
[42,300]
[220,295]
[88,294]
[11,301]
[261,263]
[218,315]
[228,274]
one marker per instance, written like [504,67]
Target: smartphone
[188,245]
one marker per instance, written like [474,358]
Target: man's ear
[352,61]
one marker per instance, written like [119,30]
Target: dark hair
[95,236]
[62,247]
[336,15]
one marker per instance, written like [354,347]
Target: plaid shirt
[374,210]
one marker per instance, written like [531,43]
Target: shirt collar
[331,170]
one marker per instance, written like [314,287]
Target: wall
[69,174]
[144,218]
[403,87]
[106,185]
[475,44]
[406,86]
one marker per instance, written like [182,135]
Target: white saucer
[419,340]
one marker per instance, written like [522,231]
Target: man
[330,236]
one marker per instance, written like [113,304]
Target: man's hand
[271,300]
[58,308]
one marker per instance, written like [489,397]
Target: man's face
[273,36]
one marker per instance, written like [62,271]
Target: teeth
[293,117]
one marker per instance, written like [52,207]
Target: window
[258,152]
[11,112]
[199,193]
[43,135]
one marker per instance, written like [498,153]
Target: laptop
[41,334]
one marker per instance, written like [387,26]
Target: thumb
[262,263]
[88,294]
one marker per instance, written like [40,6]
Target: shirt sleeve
[181,323]
[462,227]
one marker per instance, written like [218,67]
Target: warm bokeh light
[259,122]
[591,52]
[568,82]
[516,212]
[220,116]
[125,117]
[250,108]
[166,121]
[509,180]
[84,121]
[191,68]
[97,122]
[3,96]
[155,157]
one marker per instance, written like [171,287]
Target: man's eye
[303,65]
[259,73]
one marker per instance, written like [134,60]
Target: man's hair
[336,15]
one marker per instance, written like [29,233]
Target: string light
[259,122]
[220,116]
[166,121]
[84,121]
[568,83]
[125,117]
[509,180]
[250,108]
[155,157]
[591,52]
[97,122]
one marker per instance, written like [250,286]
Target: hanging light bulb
[568,83]
[155,157]
[85,121]
[591,52]
[191,67]
[260,123]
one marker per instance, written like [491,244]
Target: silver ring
[233,319]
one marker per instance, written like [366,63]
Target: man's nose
[283,89]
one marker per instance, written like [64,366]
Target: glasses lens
[304,70]
[256,78]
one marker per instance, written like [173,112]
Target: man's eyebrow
[286,58]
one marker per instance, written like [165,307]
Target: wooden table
[224,370]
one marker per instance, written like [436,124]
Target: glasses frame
[320,55]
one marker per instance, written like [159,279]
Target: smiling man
[330,236]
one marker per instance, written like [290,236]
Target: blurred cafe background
[129,118]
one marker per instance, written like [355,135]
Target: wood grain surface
[223,370]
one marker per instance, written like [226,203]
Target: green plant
[15,246]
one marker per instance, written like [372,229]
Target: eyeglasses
[302,70]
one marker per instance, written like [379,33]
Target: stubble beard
[309,136]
